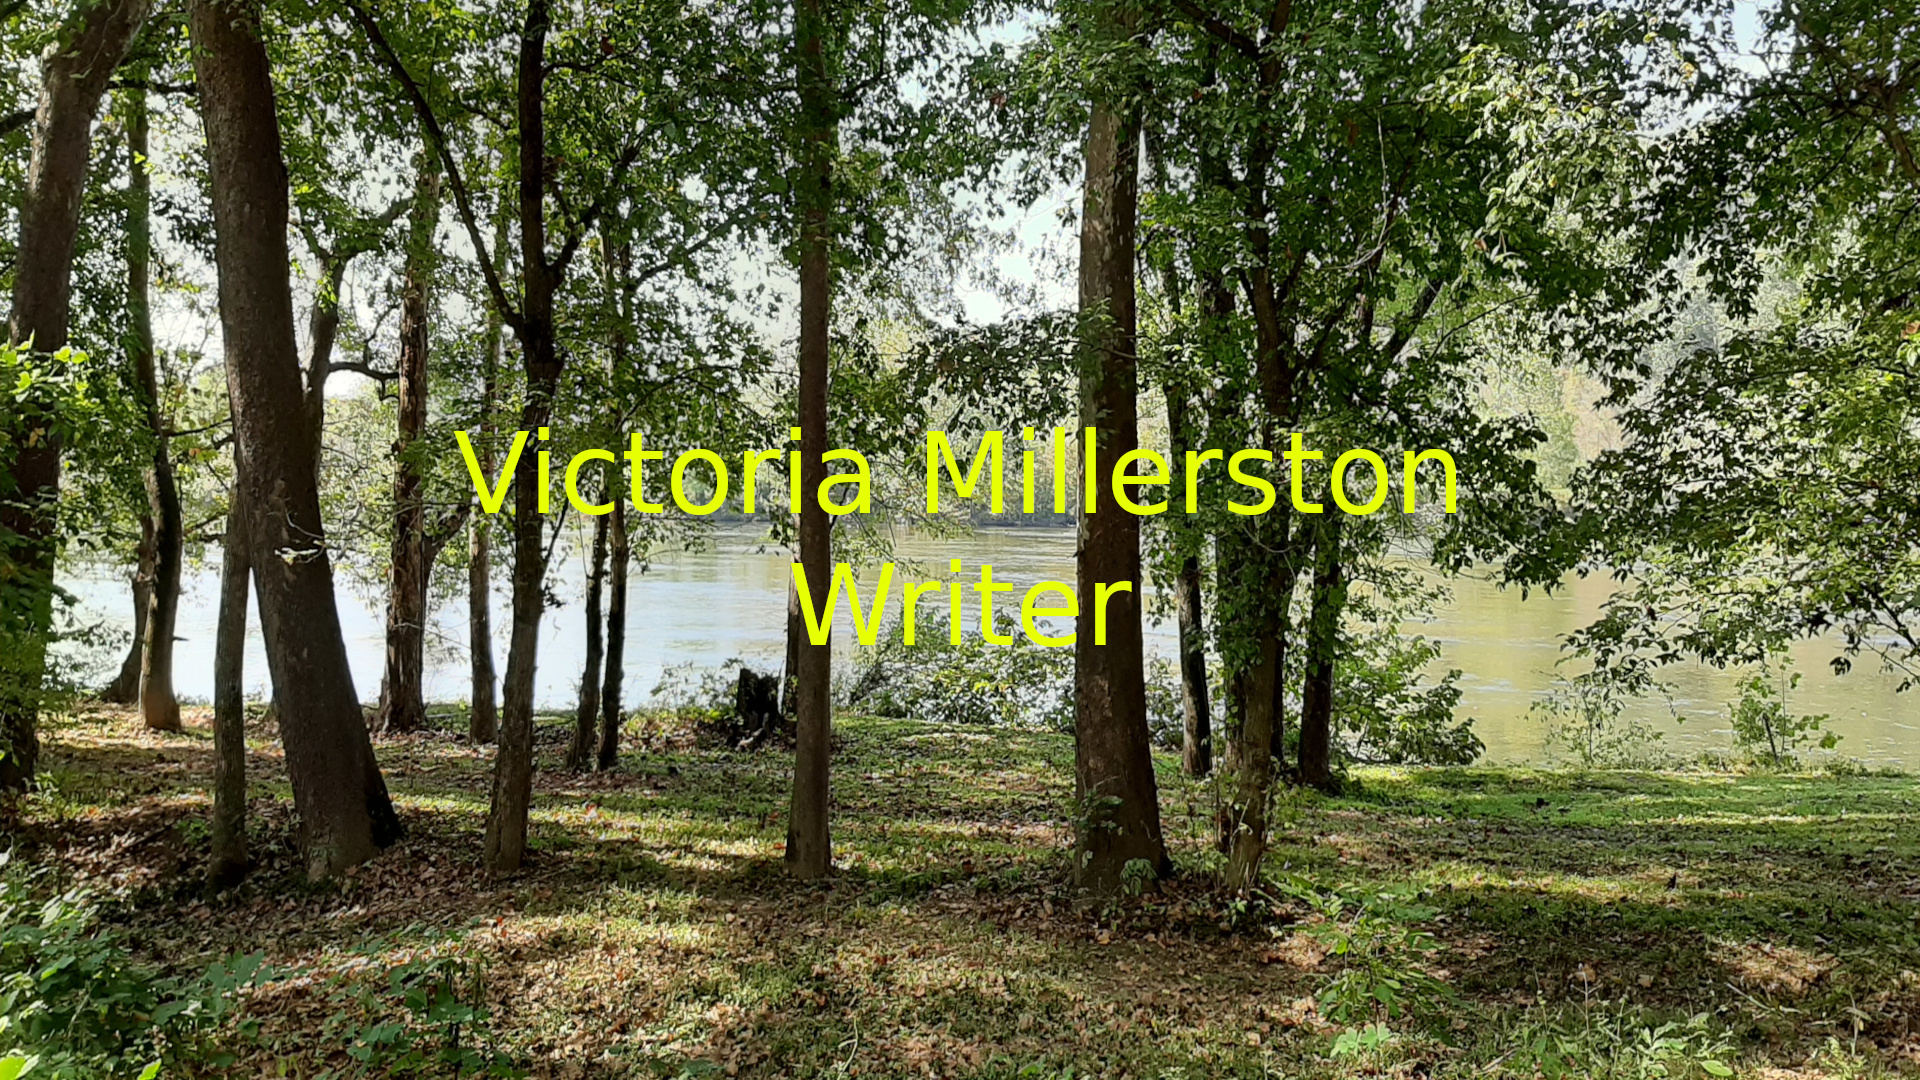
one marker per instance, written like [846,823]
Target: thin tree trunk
[483,721]
[1323,632]
[73,78]
[1119,810]
[1196,745]
[809,846]
[610,703]
[1271,570]
[587,714]
[125,687]
[229,862]
[402,704]
[157,702]
[346,815]
[790,669]
[506,840]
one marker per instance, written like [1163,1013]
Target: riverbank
[697,609]
[1533,922]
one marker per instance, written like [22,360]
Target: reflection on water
[729,600]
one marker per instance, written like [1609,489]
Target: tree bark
[610,703]
[230,860]
[1196,744]
[1271,569]
[74,76]
[125,687]
[402,705]
[790,669]
[506,841]
[158,706]
[809,847]
[346,815]
[483,720]
[1119,809]
[1323,633]
[581,752]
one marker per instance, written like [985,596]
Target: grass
[1625,924]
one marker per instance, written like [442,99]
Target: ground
[1533,923]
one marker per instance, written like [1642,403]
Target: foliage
[74,999]
[1584,715]
[1386,715]
[972,682]
[1761,720]
[1375,937]
[1600,1043]
[425,1020]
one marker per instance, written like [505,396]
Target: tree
[1373,179]
[73,78]
[346,816]
[580,752]
[483,717]
[1119,808]
[402,706]
[809,854]
[157,703]
[1804,179]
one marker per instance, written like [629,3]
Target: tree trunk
[483,721]
[158,705]
[402,706]
[1196,744]
[74,76]
[809,847]
[229,862]
[580,753]
[506,841]
[610,704]
[1323,633]
[346,816]
[790,670]
[125,687]
[1119,809]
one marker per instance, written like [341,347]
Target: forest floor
[1536,923]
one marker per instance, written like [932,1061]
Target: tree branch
[586,222]
[438,136]
[14,121]
[152,86]
[361,367]
[1212,24]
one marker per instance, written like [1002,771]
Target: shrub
[74,1002]
[1761,721]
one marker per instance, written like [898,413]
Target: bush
[1761,721]
[973,682]
[74,1002]
[1386,715]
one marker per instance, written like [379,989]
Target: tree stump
[756,709]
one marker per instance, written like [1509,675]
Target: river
[728,600]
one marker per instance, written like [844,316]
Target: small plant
[1603,1043]
[1375,936]
[1586,715]
[426,1021]
[1355,1042]
[1761,720]
[73,1003]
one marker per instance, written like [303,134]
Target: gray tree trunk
[345,814]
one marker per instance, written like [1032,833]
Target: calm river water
[729,600]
